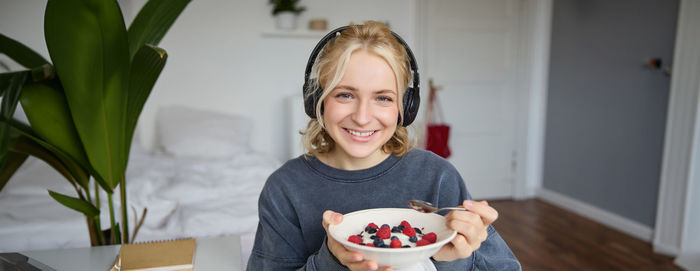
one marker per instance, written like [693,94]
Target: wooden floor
[545,237]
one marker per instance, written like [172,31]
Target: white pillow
[189,132]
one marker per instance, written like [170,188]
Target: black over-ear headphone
[411,98]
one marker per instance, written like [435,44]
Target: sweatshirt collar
[352,176]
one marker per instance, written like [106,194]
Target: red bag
[438,132]
[436,141]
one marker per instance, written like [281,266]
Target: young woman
[358,96]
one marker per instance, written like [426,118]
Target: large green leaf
[25,145]
[10,89]
[75,204]
[79,172]
[87,42]
[12,163]
[153,21]
[21,54]
[145,69]
[47,111]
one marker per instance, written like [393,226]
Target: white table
[211,254]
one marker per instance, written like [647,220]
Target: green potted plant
[285,13]
[83,106]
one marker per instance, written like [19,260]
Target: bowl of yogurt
[430,228]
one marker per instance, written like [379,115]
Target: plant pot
[286,20]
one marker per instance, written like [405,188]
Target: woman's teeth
[355,133]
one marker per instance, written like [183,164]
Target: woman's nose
[363,112]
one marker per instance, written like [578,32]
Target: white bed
[204,180]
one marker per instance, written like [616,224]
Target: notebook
[174,255]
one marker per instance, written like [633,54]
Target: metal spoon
[427,207]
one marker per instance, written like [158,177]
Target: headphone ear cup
[311,99]
[411,101]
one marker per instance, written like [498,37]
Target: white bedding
[186,197]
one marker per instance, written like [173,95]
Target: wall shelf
[274,33]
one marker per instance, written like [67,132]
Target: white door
[471,52]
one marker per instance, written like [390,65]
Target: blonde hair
[329,68]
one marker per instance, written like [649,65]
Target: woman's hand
[352,259]
[471,228]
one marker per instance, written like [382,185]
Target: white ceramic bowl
[355,223]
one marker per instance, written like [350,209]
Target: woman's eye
[384,99]
[343,95]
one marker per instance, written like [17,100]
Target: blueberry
[360,235]
[363,244]
[395,229]
[394,237]
[401,227]
[385,225]
[418,231]
[413,239]
[378,242]
[370,230]
[406,246]
[373,237]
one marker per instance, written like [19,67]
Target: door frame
[531,72]
[680,170]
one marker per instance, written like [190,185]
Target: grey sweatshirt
[290,234]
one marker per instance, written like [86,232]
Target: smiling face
[361,112]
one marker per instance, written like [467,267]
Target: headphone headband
[411,96]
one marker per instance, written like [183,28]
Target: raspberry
[422,242]
[369,245]
[406,224]
[430,237]
[384,233]
[372,225]
[355,239]
[395,243]
[408,231]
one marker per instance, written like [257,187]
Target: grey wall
[606,112]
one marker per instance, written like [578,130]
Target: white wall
[23,21]
[219,59]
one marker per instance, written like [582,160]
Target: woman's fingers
[331,218]
[462,247]
[363,265]
[474,232]
[488,214]
[471,226]
[352,259]
[467,216]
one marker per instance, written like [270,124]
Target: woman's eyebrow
[384,91]
[346,87]
[351,88]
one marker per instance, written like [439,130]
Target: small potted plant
[285,13]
